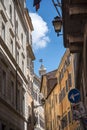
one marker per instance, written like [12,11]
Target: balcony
[75,12]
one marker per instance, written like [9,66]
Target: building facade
[14,66]
[38,108]
[29,73]
[66,81]
[55,86]
[75,38]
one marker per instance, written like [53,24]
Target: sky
[46,44]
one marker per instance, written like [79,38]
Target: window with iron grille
[69,80]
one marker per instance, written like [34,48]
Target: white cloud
[39,35]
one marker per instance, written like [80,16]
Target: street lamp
[57,23]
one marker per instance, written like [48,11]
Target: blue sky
[46,44]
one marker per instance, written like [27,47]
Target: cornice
[29,19]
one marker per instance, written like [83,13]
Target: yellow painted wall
[55,110]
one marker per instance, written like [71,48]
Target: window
[23,102]
[18,99]
[63,92]
[23,66]
[69,80]
[28,62]
[12,92]
[31,67]
[16,27]
[65,65]
[35,95]
[4,83]
[59,78]
[10,11]
[64,121]
[30,39]
[11,44]
[22,38]
[52,103]
[56,98]
[62,74]
[66,85]
[27,36]
[31,88]
[68,59]
[3,31]
[17,57]
[60,97]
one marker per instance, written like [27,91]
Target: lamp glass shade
[57,23]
